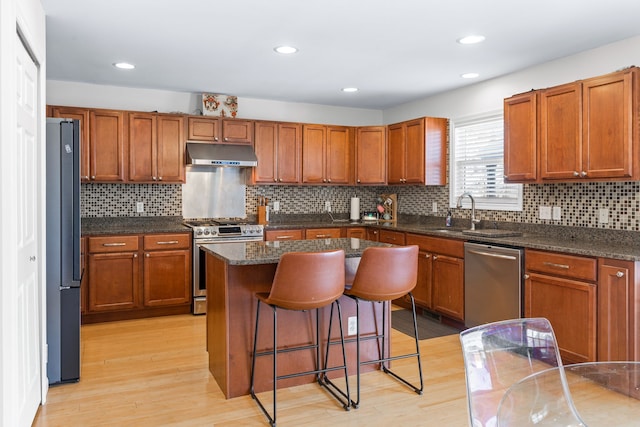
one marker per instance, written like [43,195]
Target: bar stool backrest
[386,274]
[308,280]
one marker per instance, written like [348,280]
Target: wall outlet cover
[140,207]
[557,213]
[603,215]
[276,206]
[545,212]
[352,328]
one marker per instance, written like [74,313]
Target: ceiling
[393,51]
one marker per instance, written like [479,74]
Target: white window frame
[456,188]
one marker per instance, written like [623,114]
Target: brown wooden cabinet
[166,269]
[373,234]
[224,131]
[107,146]
[278,148]
[356,232]
[562,288]
[326,154]
[156,148]
[84,274]
[618,312]
[322,233]
[586,130]
[371,155]
[520,137]
[390,236]
[440,284]
[417,152]
[82,115]
[279,235]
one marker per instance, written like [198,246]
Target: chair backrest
[498,355]
[386,273]
[308,280]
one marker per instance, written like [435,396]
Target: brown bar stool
[385,274]
[305,281]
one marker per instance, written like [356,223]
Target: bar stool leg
[323,379]
[272,420]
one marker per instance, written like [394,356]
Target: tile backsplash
[579,202]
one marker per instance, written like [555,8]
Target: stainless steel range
[218,230]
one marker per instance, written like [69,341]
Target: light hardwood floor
[154,372]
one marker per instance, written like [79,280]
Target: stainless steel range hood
[221,155]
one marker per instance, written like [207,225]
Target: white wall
[488,96]
[122,98]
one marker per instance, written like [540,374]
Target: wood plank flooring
[153,372]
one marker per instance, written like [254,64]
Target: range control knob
[206,232]
[199,232]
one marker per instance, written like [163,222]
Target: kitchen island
[235,272]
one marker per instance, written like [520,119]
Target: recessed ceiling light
[473,39]
[349,89]
[469,75]
[285,49]
[124,65]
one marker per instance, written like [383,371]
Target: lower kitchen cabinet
[322,233]
[562,288]
[120,286]
[278,235]
[393,237]
[357,232]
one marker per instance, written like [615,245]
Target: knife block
[262,215]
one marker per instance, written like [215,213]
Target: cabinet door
[357,232]
[322,233]
[422,293]
[570,306]
[313,154]
[170,151]
[82,115]
[435,146]
[520,137]
[396,153]
[617,317]
[277,235]
[107,146]
[203,129]
[414,152]
[560,132]
[373,234]
[338,155]
[371,151]
[266,146]
[607,136]
[142,147]
[237,131]
[166,278]
[393,237]
[289,150]
[113,281]
[448,286]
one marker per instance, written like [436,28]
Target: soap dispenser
[449,220]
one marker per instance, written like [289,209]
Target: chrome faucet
[474,221]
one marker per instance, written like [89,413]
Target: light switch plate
[556,213]
[545,212]
[434,207]
[140,207]
[276,206]
[603,215]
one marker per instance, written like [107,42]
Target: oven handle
[207,241]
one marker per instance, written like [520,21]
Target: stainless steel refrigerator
[63,250]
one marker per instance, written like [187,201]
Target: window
[477,164]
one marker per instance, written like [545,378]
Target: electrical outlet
[545,212]
[556,213]
[603,215]
[352,327]
[276,206]
[434,207]
[327,206]
[140,207]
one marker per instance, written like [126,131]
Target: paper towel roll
[355,209]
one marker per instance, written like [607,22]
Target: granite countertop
[132,225]
[253,253]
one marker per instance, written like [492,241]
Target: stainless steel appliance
[218,230]
[492,283]
[63,273]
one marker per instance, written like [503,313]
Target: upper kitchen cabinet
[278,147]
[156,147]
[82,115]
[225,131]
[107,146]
[520,137]
[371,158]
[326,154]
[587,130]
[417,152]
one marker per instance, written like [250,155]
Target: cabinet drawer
[166,241]
[451,247]
[393,237]
[270,235]
[113,244]
[322,233]
[563,265]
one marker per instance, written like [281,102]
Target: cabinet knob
[159,178]
[583,174]
[275,179]
[280,180]
[358,181]
[619,274]
[147,255]
[135,255]
[526,277]
[85,177]
[435,257]
[329,181]
[575,173]
[215,138]
[427,256]
[324,180]
[226,139]
[153,177]
[93,177]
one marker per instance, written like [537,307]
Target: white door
[28,293]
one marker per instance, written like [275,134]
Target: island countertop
[254,253]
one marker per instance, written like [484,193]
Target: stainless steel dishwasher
[492,283]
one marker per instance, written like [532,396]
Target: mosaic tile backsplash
[580,202]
